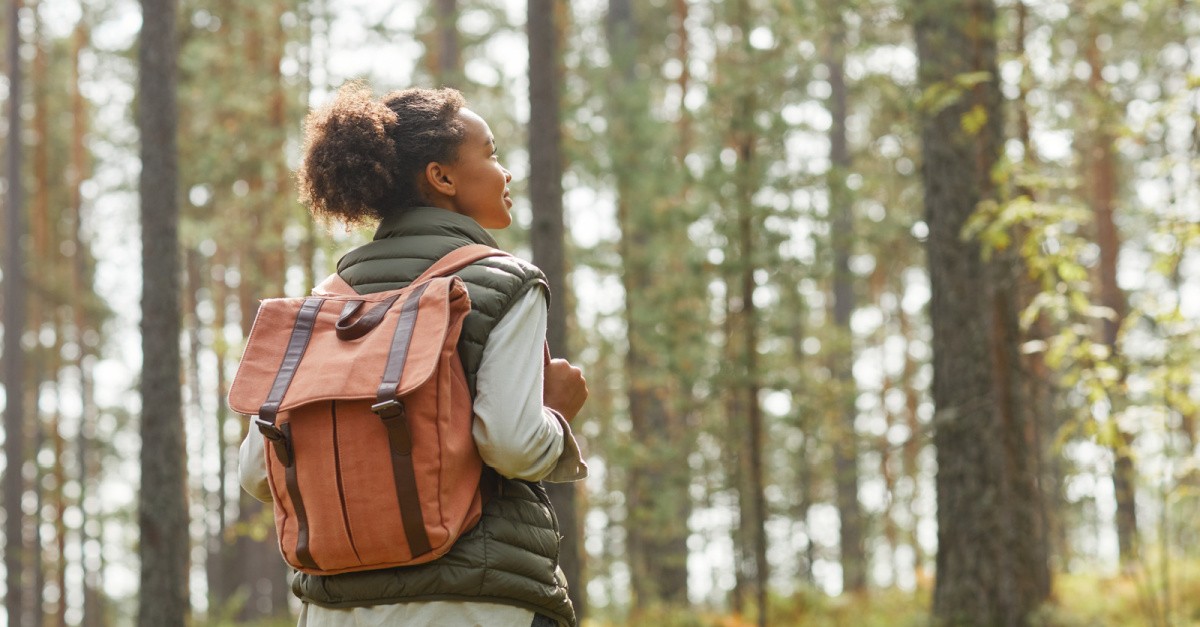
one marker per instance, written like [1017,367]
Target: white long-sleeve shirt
[515,434]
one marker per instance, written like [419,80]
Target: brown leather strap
[347,330]
[489,484]
[293,488]
[458,259]
[297,344]
[280,436]
[406,484]
[391,411]
[401,340]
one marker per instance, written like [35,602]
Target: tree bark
[547,237]
[162,512]
[841,209]
[750,385]
[658,505]
[14,328]
[991,566]
[449,61]
[1101,162]
[744,261]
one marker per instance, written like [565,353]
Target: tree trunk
[732,458]
[14,328]
[744,139]
[658,505]
[841,209]
[1101,162]
[220,583]
[912,447]
[991,566]
[547,237]
[41,315]
[1043,385]
[756,498]
[448,67]
[36,592]
[162,511]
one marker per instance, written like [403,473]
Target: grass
[1133,599]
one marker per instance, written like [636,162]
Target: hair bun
[350,160]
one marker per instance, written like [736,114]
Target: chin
[499,223]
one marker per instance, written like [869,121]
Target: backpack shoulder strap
[334,285]
[458,259]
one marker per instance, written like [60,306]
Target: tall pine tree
[162,511]
[991,566]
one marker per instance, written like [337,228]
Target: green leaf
[974,120]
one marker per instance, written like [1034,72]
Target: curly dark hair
[364,157]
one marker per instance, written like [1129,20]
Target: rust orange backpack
[367,417]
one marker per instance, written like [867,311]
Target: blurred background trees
[881,301]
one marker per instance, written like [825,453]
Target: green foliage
[811,608]
[944,94]
[670,139]
[1087,600]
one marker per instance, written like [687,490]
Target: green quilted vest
[511,556]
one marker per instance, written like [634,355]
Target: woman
[424,169]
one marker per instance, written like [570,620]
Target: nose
[507,175]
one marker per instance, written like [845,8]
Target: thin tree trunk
[77,174]
[162,512]
[14,328]
[81,291]
[1043,386]
[1102,196]
[37,588]
[912,446]
[841,204]
[41,312]
[548,239]
[218,573]
[732,456]
[744,138]
[60,523]
[684,82]
[448,66]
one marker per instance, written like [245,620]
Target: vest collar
[430,220]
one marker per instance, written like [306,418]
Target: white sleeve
[515,433]
[252,466]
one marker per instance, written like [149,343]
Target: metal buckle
[268,429]
[388,409]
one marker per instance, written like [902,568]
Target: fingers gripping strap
[391,412]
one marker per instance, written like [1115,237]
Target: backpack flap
[331,368]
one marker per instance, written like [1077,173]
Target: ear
[440,178]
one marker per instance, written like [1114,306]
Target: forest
[888,308]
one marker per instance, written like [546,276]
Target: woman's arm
[252,466]
[516,433]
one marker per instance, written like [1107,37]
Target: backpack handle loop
[347,330]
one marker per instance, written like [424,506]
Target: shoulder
[495,284]
[504,270]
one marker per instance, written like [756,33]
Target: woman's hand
[564,389]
